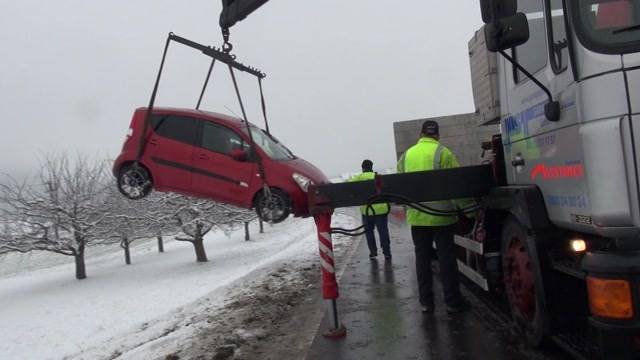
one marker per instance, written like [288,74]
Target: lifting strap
[261,171]
[206,82]
[147,119]
[264,107]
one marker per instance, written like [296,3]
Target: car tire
[274,208]
[522,277]
[134,181]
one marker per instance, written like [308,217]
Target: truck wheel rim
[520,280]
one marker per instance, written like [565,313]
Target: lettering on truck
[569,170]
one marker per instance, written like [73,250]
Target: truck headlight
[302,181]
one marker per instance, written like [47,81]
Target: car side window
[220,139]
[178,128]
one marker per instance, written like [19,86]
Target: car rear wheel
[273,208]
[134,182]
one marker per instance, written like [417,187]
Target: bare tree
[155,207]
[196,218]
[125,222]
[61,212]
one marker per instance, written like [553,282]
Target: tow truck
[558,222]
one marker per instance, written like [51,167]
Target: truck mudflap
[613,282]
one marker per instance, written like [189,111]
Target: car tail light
[610,298]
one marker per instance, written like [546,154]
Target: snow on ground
[48,314]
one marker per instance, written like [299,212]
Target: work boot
[459,306]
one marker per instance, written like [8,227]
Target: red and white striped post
[329,281]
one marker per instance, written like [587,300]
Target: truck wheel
[134,182]
[522,282]
[274,208]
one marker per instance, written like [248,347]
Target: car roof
[201,114]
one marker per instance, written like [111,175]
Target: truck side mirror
[493,10]
[507,32]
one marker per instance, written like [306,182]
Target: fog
[339,73]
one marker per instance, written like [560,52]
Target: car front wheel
[273,207]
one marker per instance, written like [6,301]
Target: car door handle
[153,141]
[203,157]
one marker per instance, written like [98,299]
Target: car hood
[307,169]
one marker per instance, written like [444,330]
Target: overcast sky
[340,73]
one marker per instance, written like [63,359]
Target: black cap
[367,165]
[430,127]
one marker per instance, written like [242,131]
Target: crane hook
[226,46]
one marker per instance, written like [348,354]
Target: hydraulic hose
[403,200]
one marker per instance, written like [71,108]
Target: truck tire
[523,281]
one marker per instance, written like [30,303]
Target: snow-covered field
[47,314]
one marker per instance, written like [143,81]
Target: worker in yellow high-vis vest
[374,216]
[429,154]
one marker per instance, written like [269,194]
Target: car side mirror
[493,10]
[239,154]
[507,33]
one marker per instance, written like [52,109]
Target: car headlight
[302,181]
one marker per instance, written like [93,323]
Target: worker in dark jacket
[429,154]
[374,216]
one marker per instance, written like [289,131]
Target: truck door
[549,153]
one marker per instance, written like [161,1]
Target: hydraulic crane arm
[236,10]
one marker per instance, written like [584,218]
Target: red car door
[169,151]
[217,175]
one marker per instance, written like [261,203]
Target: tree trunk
[198,244]
[81,270]
[127,253]
[261,227]
[160,243]
[247,237]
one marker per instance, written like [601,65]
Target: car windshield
[612,25]
[270,145]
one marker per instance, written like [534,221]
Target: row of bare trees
[74,204]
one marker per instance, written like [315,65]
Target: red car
[205,154]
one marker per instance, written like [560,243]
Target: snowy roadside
[273,316]
[161,303]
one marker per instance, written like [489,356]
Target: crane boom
[236,10]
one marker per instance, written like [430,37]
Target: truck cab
[585,163]
[562,79]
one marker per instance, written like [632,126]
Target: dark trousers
[379,222]
[423,239]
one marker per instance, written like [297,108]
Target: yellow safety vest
[429,154]
[378,209]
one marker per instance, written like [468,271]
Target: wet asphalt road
[379,306]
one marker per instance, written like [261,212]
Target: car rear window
[179,128]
